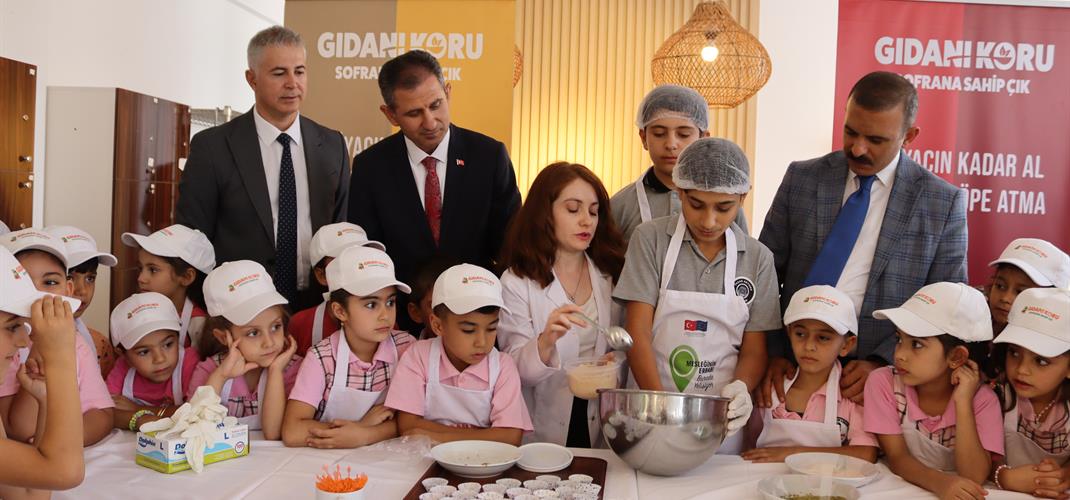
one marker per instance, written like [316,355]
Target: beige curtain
[586,68]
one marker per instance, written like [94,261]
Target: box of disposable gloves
[199,433]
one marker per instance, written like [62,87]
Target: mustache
[860,159]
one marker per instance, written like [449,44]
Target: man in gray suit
[261,185]
[867,220]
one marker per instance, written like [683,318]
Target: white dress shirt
[271,156]
[417,155]
[855,277]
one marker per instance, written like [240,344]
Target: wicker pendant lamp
[714,55]
[518,65]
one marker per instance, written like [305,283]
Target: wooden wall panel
[586,68]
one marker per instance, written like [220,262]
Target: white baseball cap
[1043,262]
[179,241]
[240,290]
[331,239]
[465,288]
[19,291]
[3,228]
[35,239]
[943,308]
[362,271]
[1040,321]
[825,304]
[141,314]
[80,246]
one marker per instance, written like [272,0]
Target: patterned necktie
[830,261]
[286,232]
[432,197]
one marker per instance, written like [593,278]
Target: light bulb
[709,53]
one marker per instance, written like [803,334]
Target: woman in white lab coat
[563,253]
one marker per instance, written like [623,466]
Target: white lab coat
[545,388]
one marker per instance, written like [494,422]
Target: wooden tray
[594,467]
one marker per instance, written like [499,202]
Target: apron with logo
[789,432]
[344,403]
[697,335]
[455,406]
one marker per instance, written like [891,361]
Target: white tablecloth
[272,471]
[731,477]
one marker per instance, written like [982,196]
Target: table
[731,477]
[272,471]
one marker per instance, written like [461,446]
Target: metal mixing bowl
[662,433]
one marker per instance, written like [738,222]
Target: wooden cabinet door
[18,91]
[16,199]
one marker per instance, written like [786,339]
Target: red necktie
[432,196]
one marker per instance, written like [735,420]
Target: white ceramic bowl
[843,468]
[544,457]
[785,486]
[476,459]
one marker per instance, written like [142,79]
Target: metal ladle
[618,338]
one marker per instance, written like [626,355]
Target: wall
[795,107]
[188,51]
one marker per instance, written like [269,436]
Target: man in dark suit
[262,184]
[908,229]
[432,188]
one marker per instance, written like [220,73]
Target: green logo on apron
[683,362]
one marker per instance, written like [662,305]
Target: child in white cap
[83,259]
[1033,354]
[815,417]
[936,423]
[702,329]
[55,460]
[312,325]
[154,370]
[174,261]
[248,358]
[458,386]
[1025,263]
[337,401]
[45,259]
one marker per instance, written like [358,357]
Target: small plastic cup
[589,373]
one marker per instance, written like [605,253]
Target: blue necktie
[829,263]
[286,232]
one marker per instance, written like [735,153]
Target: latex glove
[199,421]
[740,408]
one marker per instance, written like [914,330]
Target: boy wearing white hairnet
[702,330]
[669,119]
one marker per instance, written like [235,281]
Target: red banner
[994,107]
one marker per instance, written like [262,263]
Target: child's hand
[341,434]
[52,324]
[123,404]
[283,359]
[33,384]
[769,455]
[1050,480]
[376,415]
[960,488]
[234,364]
[966,379]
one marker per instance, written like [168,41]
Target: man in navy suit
[910,226]
[433,188]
